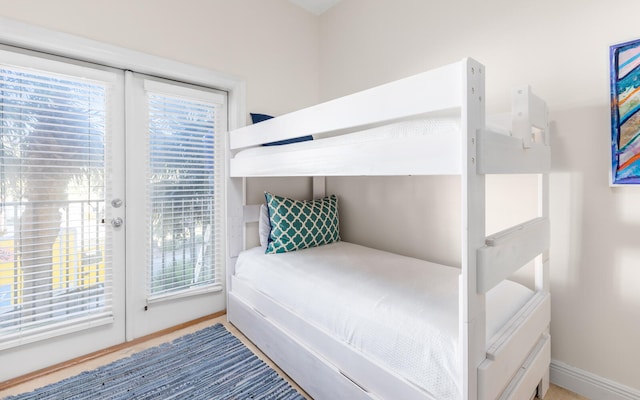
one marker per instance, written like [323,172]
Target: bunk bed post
[472,304]
[235,225]
[542,261]
[542,265]
[319,190]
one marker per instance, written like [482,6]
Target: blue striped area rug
[208,364]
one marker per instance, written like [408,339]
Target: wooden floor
[558,393]
[555,392]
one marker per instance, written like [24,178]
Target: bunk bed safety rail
[526,150]
[530,118]
[434,91]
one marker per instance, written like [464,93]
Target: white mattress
[398,311]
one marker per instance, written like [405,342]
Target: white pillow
[264,227]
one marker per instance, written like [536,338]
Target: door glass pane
[183,191]
[53,244]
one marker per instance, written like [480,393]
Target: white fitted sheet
[398,311]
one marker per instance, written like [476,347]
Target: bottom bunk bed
[347,321]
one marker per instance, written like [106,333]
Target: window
[185,182]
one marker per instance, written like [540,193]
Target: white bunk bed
[511,361]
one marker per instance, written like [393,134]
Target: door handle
[117,222]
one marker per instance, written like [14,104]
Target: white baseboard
[589,385]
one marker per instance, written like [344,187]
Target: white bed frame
[516,363]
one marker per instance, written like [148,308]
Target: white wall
[273,45]
[561,49]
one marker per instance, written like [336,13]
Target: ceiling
[316,7]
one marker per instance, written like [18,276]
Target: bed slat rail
[507,251]
[435,90]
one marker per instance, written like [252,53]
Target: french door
[111,207]
[62,271]
[175,206]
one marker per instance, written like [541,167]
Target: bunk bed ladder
[526,151]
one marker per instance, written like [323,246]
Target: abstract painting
[625,113]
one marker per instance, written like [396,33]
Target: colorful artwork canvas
[625,113]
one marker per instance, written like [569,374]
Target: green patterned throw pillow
[297,225]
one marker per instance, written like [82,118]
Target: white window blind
[55,270]
[185,192]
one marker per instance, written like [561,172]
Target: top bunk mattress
[399,311]
[417,146]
